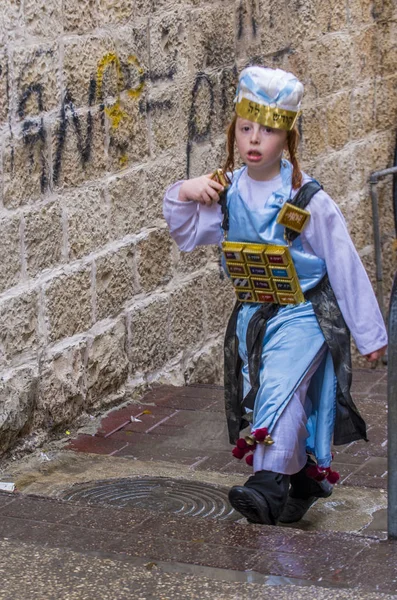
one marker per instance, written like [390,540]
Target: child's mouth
[254,156]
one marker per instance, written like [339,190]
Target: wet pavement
[180,433]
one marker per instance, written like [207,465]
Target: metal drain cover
[160,494]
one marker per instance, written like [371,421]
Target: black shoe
[251,504]
[296,508]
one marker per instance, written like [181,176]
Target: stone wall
[103,103]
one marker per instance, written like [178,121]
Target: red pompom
[249,459]
[238,453]
[260,434]
[316,473]
[242,444]
[333,476]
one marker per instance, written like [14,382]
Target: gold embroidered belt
[262,273]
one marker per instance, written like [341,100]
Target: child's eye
[267,129]
[246,128]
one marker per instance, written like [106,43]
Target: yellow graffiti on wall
[115,111]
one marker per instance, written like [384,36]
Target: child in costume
[287,345]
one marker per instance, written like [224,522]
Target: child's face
[260,148]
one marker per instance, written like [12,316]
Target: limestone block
[149,6]
[386,103]
[43,18]
[363,111]
[43,238]
[361,12]
[166,124]
[205,158]
[387,33]
[271,26]
[69,305]
[331,16]
[368,59]
[314,131]
[148,336]
[62,387]
[128,133]
[219,298]
[25,166]
[17,400]
[78,146]
[154,260]
[190,262]
[338,120]
[127,193]
[200,107]
[302,20]
[3,87]
[247,26]
[211,37]
[114,11]
[132,48]
[79,16]
[296,62]
[12,19]
[115,281]
[18,325]
[206,366]
[226,91]
[377,152]
[328,58]
[169,44]
[332,173]
[87,220]
[10,250]
[35,79]
[90,68]
[160,175]
[372,154]
[187,317]
[107,366]
[383,10]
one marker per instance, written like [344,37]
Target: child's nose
[255,135]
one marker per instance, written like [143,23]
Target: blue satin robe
[293,337]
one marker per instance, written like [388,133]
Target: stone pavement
[187,426]
[339,548]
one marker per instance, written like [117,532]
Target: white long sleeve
[191,224]
[328,238]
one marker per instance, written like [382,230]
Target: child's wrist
[182,194]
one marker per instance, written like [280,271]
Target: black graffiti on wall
[246,11]
[210,107]
[203,108]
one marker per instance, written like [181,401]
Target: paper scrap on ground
[5,486]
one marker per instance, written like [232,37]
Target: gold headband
[277,118]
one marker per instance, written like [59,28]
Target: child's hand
[200,189]
[376,355]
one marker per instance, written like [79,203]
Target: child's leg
[263,497]
[304,492]
[288,453]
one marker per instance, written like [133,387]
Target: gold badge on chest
[293,217]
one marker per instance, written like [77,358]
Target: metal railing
[391,361]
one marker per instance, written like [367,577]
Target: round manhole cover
[160,494]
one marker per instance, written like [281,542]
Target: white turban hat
[271,97]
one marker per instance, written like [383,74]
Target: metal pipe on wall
[392,350]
